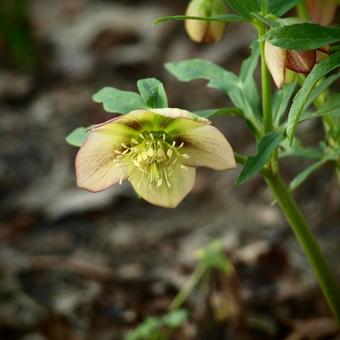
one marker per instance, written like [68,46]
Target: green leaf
[280,7]
[330,107]
[244,7]
[265,20]
[175,318]
[233,111]
[146,330]
[321,87]
[302,176]
[281,100]
[247,81]
[265,147]
[117,101]
[300,100]
[77,137]
[306,36]
[220,79]
[153,93]
[298,150]
[216,18]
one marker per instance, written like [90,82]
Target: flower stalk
[307,242]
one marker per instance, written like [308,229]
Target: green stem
[266,80]
[302,10]
[307,241]
[188,287]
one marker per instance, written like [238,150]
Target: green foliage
[77,137]
[300,100]
[298,150]
[14,29]
[244,7]
[280,7]
[330,107]
[155,328]
[213,256]
[216,18]
[153,93]
[265,147]
[306,36]
[232,111]
[226,81]
[117,101]
[281,101]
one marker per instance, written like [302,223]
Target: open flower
[156,150]
[204,31]
[280,61]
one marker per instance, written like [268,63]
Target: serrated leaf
[117,101]
[300,100]
[244,7]
[302,176]
[306,36]
[153,93]
[77,137]
[281,100]
[280,7]
[216,18]
[265,147]
[330,107]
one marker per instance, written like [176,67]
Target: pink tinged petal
[276,63]
[172,190]
[96,168]
[322,11]
[206,146]
[300,61]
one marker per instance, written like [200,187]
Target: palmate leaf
[265,147]
[306,36]
[301,98]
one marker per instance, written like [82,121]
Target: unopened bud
[205,31]
[280,60]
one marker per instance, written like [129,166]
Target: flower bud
[205,31]
[279,61]
[322,11]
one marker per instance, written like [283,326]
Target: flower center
[152,157]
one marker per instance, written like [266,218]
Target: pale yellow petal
[178,113]
[276,63]
[206,146]
[172,190]
[96,169]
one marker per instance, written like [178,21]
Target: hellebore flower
[204,31]
[280,61]
[156,150]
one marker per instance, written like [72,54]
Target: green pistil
[152,156]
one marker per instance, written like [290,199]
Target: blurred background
[76,265]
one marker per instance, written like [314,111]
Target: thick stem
[307,241]
[302,10]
